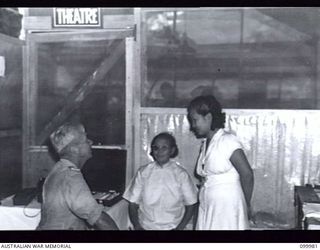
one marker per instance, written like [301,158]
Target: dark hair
[204,105]
[169,137]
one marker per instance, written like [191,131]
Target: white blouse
[162,193]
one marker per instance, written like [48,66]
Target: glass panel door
[79,76]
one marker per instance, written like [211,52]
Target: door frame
[30,84]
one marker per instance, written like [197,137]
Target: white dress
[222,202]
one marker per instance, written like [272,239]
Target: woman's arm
[189,211]
[240,162]
[133,214]
[105,222]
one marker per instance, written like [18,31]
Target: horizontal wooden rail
[10,133]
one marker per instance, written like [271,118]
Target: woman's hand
[249,212]
[251,217]
[241,164]
[133,215]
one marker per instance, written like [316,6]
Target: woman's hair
[170,138]
[204,105]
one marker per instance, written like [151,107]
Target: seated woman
[162,195]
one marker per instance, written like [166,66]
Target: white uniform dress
[222,202]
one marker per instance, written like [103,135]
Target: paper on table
[317,191]
[2,65]
[311,210]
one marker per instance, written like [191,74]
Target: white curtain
[283,147]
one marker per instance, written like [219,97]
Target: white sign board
[76,17]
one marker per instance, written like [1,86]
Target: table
[19,217]
[28,217]
[307,207]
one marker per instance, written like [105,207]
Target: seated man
[67,201]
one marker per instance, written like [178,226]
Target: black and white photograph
[185,119]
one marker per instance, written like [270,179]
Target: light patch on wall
[2,65]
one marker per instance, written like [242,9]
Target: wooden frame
[129,106]
[30,141]
[137,90]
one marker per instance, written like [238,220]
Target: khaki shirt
[67,200]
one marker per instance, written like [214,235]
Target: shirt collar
[218,134]
[67,162]
[214,137]
[165,165]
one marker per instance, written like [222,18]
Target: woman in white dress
[226,176]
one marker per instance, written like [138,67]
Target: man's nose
[90,142]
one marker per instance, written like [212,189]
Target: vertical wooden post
[317,70]
[129,106]
[241,68]
[29,105]
[25,92]
[140,77]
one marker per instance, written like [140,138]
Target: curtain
[282,146]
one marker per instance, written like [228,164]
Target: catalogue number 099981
[308,246]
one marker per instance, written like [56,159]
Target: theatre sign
[76,17]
